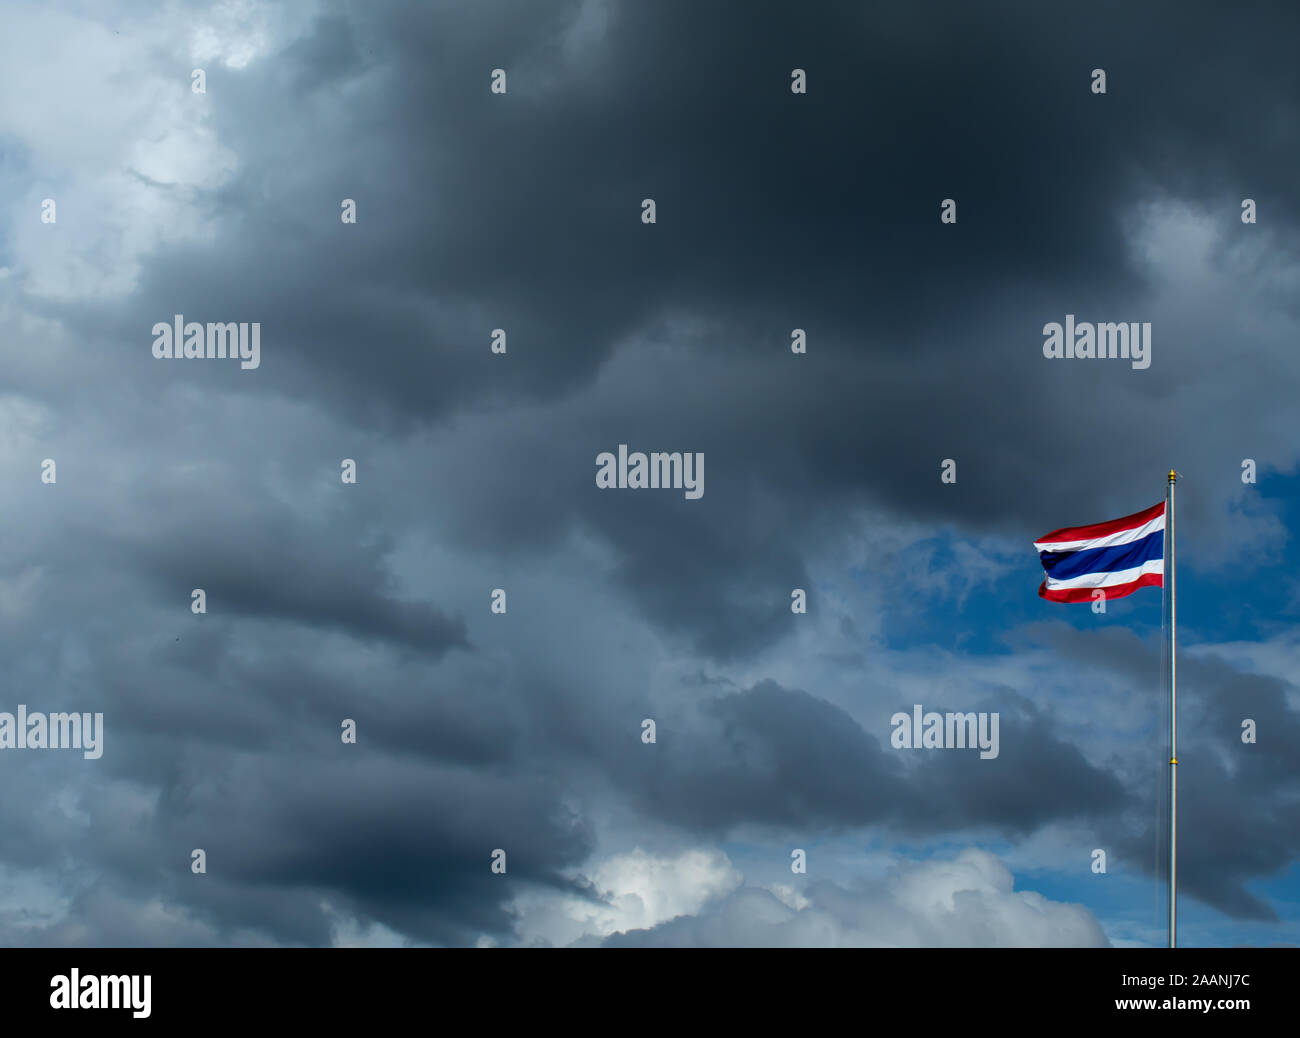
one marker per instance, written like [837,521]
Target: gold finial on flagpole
[1172,475]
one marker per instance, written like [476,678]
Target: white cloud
[968,901]
[118,140]
[639,890]
[700,899]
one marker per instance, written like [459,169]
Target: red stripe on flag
[1084,594]
[1084,533]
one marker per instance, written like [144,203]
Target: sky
[521,732]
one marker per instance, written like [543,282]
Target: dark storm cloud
[402,843]
[784,758]
[521,211]
[200,684]
[279,567]
[414,859]
[776,209]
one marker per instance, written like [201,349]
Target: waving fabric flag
[1119,557]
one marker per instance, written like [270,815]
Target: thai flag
[1118,557]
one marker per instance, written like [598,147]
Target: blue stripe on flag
[1062,565]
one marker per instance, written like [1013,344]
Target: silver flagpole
[1173,722]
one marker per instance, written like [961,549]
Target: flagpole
[1170,581]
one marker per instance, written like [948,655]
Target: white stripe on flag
[1109,541]
[1110,579]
